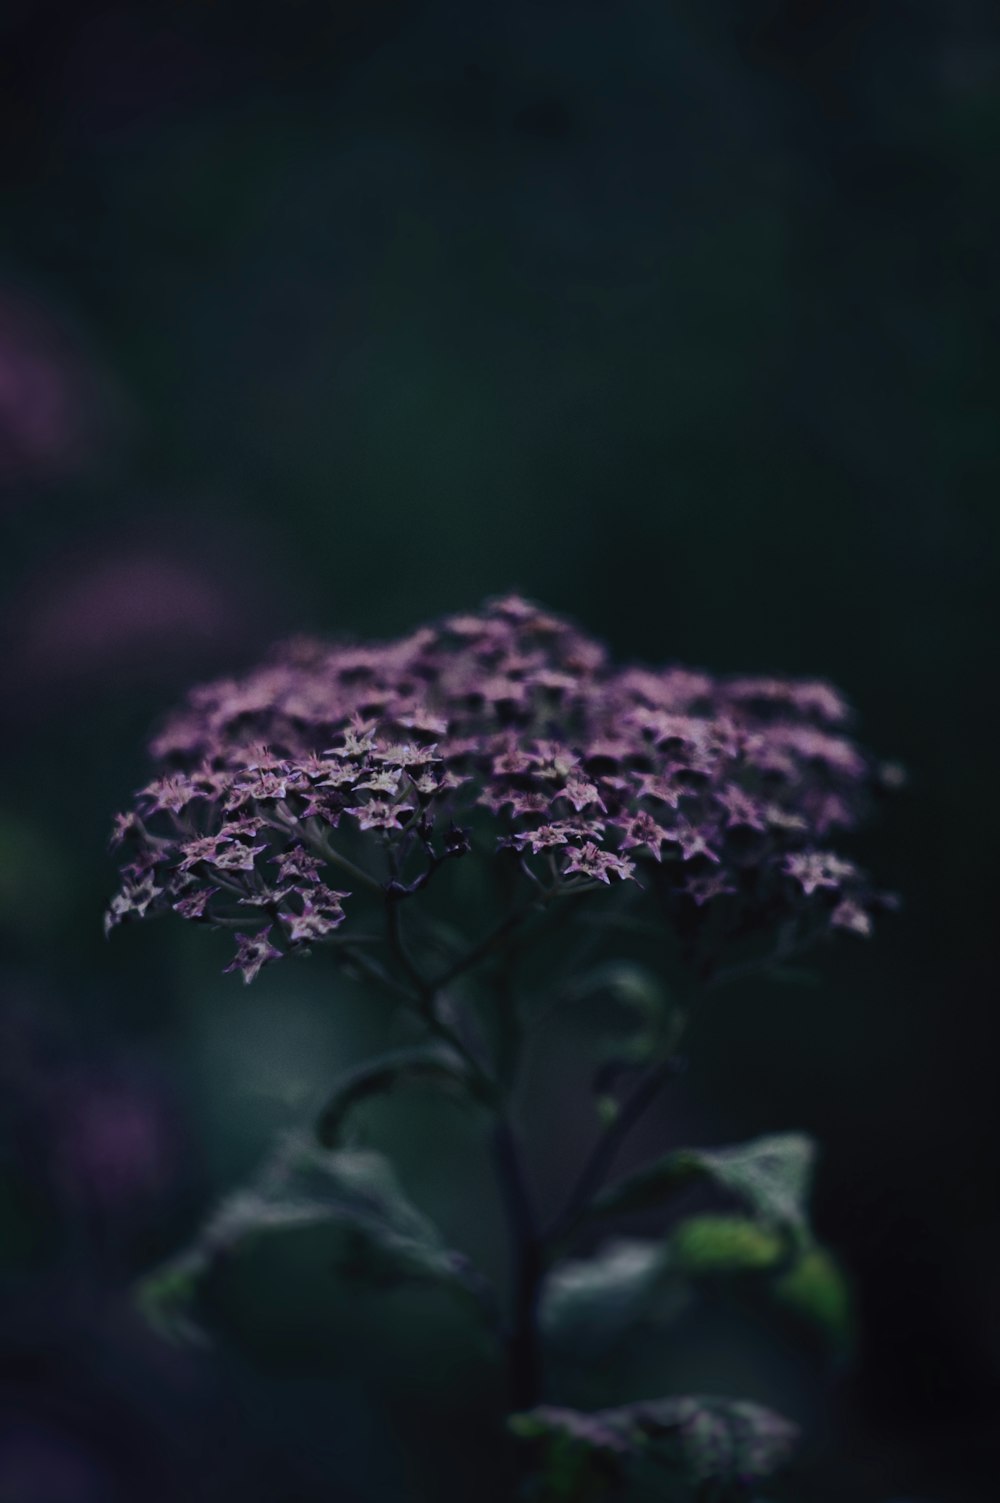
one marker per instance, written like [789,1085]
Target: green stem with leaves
[532,1250]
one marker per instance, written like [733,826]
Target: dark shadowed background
[680,317]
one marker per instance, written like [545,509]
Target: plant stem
[426,995]
[472,957]
[426,990]
[601,1159]
[318,840]
[523,1348]
[526,1245]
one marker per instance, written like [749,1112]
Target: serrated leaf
[591,1303]
[772,1175]
[432,1063]
[301,1186]
[688,1444]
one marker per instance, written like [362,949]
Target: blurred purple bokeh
[60,411]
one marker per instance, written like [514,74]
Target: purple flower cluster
[504,735]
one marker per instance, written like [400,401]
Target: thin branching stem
[760,965]
[524,1362]
[425,995]
[524,1354]
[318,840]
[487,944]
[375,972]
[602,1157]
[426,990]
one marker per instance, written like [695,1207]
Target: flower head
[500,736]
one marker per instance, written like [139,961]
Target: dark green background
[680,317]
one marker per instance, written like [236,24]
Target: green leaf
[301,1185]
[816,1291]
[433,1063]
[810,1287]
[706,1246]
[591,1303]
[772,1175]
[683,1446]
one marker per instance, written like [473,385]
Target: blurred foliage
[670,1449]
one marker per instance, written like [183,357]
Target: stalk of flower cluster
[532,1248]
[527,1267]
[526,1246]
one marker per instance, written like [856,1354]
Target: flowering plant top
[505,735]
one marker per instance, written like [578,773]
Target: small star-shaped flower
[704,889]
[432,780]
[379,815]
[545,838]
[852,917]
[829,811]
[835,753]
[692,841]
[193,906]
[512,762]
[124,825]
[322,806]
[659,789]
[740,808]
[581,794]
[424,721]
[496,799]
[783,819]
[380,782]
[337,774]
[204,848]
[265,897]
[529,802]
[643,829]
[170,794]
[245,827]
[554,761]
[813,869]
[296,864]
[253,951]
[314,922]
[591,861]
[359,739]
[133,901]
[407,754]
[236,857]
